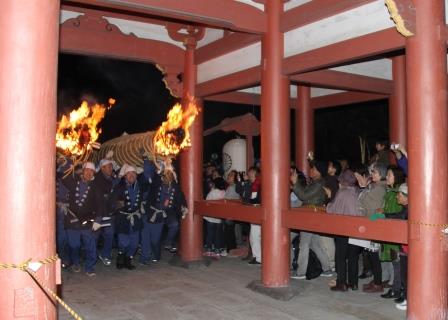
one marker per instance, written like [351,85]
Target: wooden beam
[328,101]
[235,81]
[69,6]
[389,230]
[295,18]
[229,43]
[332,79]
[345,51]
[229,209]
[226,14]
[316,10]
[344,98]
[237,98]
[93,35]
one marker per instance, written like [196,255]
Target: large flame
[174,134]
[78,132]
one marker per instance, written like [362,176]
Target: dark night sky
[143,102]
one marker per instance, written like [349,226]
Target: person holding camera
[249,187]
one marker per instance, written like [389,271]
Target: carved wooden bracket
[152,50]
[188,35]
[171,80]
[402,13]
[94,22]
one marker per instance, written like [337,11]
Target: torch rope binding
[24,266]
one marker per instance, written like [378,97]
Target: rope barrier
[25,267]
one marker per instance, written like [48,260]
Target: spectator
[249,187]
[371,200]
[214,241]
[346,202]
[311,195]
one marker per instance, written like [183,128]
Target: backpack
[314,268]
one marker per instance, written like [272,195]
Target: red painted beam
[328,101]
[237,98]
[389,230]
[226,14]
[229,43]
[235,81]
[344,98]
[139,17]
[229,209]
[372,44]
[323,78]
[291,19]
[332,79]
[316,10]
[94,36]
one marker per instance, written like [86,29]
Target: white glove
[184,211]
[96,226]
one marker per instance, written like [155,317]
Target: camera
[394,146]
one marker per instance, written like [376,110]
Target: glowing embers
[77,133]
[174,134]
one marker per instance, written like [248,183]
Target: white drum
[234,156]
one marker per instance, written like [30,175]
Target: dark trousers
[375,263]
[404,273]
[346,259]
[61,237]
[151,241]
[108,238]
[396,287]
[214,235]
[128,242]
[88,239]
[229,235]
[173,229]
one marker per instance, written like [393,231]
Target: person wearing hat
[62,203]
[104,182]
[371,203]
[80,220]
[346,202]
[311,195]
[127,197]
[165,205]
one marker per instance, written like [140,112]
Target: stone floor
[161,291]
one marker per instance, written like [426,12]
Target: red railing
[388,230]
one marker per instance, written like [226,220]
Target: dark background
[142,102]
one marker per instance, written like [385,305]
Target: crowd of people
[99,208]
[376,191]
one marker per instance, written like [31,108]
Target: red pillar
[426,70]
[191,167]
[274,152]
[304,127]
[397,102]
[28,64]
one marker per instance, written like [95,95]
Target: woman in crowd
[389,252]
[371,201]
[346,202]
[214,238]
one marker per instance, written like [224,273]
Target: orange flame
[174,134]
[76,134]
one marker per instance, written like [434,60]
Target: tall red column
[397,102]
[304,127]
[426,70]
[274,152]
[28,63]
[191,167]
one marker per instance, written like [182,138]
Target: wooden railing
[306,219]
